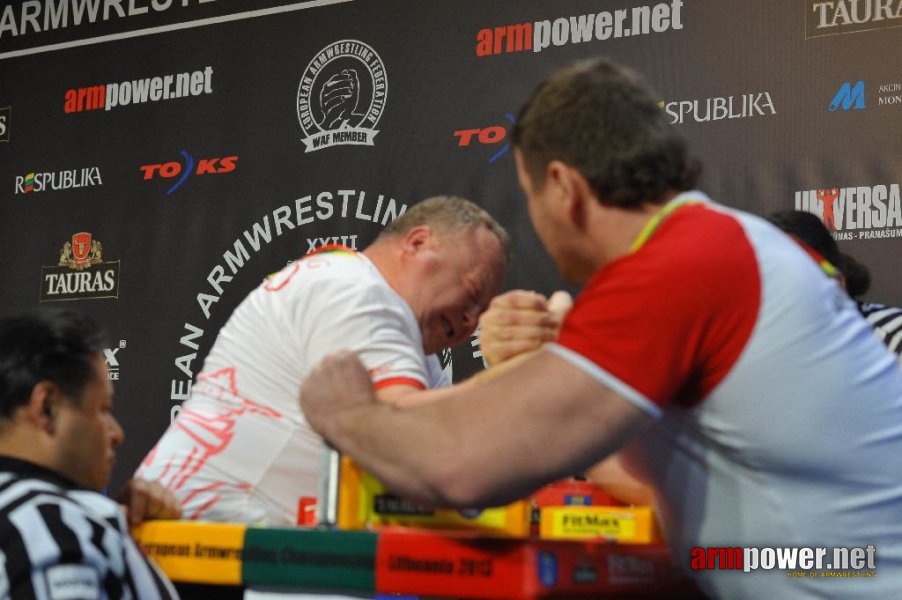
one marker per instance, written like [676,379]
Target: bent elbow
[458,486]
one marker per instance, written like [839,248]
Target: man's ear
[571,191]
[43,404]
[416,238]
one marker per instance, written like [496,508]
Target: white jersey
[779,414]
[240,450]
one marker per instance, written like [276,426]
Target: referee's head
[55,396]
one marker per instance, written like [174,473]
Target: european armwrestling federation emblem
[341,96]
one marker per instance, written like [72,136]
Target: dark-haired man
[241,450]
[854,276]
[736,378]
[59,537]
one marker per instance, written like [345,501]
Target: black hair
[809,229]
[858,276]
[56,345]
[603,120]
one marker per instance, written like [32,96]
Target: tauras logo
[58,180]
[849,16]
[742,106]
[864,212]
[341,96]
[81,272]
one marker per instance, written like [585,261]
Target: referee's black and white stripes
[60,541]
[887,323]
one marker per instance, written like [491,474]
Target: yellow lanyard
[653,223]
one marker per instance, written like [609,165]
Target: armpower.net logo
[107,96]
[605,25]
[795,561]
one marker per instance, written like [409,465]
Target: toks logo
[341,96]
[75,278]
[863,213]
[486,136]
[205,166]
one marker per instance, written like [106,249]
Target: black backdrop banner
[156,164]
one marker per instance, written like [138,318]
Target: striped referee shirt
[62,541]
[887,323]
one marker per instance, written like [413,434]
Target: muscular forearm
[488,441]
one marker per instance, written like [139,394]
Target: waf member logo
[180,172]
[492,136]
[852,213]
[80,273]
[341,96]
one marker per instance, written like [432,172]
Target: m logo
[849,97]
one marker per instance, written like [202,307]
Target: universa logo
[58,180]
[491,135]
[855,213]
[81,273]
[112,360]
[849,16]
[742,106]
[5,114]
[173,169]
[341,96]
[848,97]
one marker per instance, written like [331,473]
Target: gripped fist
[337,383]
[143,500]
[339,97]
[520,321]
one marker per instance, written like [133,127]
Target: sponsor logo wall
[165,161]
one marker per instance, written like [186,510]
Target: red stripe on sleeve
[399,381]
[671,319]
